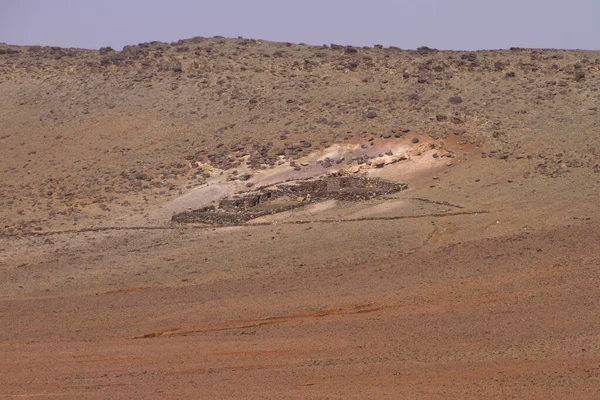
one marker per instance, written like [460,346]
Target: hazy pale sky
[443,24]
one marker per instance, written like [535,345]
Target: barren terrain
[236,218]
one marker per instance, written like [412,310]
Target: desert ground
[234,218]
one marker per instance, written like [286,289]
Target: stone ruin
[240,208]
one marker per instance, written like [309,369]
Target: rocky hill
[84,131]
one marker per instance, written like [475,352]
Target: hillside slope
[83,128]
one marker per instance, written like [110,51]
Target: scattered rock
[106,50]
